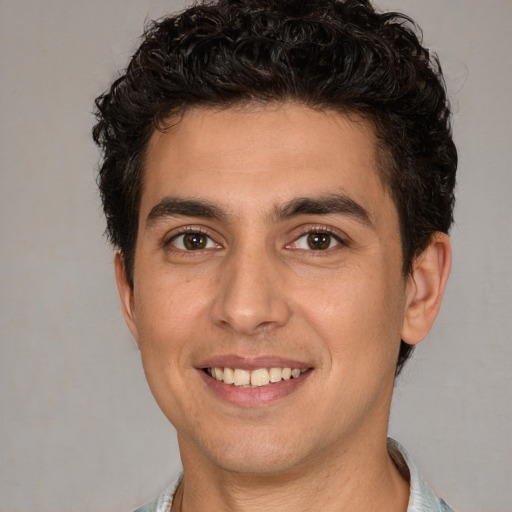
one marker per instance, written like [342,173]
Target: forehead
[257,157]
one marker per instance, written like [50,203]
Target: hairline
[383,156]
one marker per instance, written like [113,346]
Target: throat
[330,488]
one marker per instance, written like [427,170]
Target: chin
[255,453]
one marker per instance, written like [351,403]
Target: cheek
[166,311]
[358,315]
[164,298]
[167,318]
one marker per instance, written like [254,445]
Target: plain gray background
[79,430]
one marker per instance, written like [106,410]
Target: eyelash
[189,230]
[310,230]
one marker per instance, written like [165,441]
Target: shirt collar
[421,498]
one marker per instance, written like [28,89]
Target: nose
[251,297]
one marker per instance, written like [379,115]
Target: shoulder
[444,507]
[148,507]
[422,497]
[163,502]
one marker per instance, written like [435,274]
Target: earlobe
[425,287]
[125,294]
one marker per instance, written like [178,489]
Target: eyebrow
[177,207]
[338,204]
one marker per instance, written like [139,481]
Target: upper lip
[250,362]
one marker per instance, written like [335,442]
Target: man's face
[267,241]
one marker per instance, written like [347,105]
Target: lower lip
[256,396]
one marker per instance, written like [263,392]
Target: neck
[360,478]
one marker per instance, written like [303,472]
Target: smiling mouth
[254,378]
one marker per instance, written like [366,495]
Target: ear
[125,294]
[425,287]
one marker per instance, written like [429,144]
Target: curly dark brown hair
[326,54]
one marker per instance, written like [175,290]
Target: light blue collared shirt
[421,499]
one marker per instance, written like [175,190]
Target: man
[278,180]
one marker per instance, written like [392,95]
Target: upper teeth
[259,377]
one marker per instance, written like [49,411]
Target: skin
[257,289]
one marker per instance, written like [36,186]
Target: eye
[316,241]
[193,241]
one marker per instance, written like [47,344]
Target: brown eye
[315,241]
[193,241]
[319,241]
